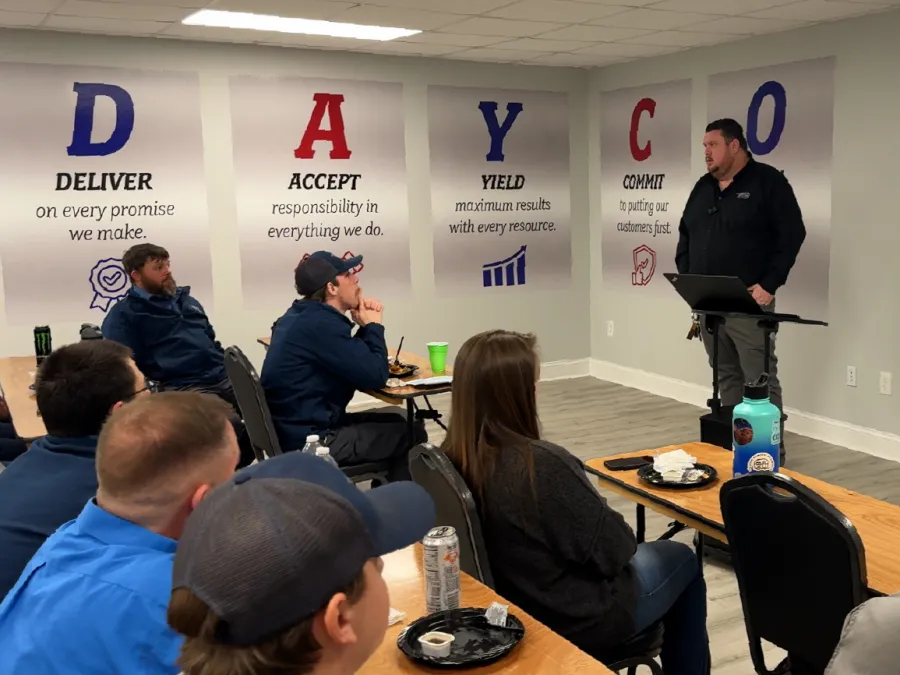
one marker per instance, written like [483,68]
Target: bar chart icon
[508,272]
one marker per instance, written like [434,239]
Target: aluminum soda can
[43,343]
[441,551]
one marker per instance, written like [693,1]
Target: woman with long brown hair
[555,547]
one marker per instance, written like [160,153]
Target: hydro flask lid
[759,390]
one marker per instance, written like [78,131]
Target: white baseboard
[551,370]
[870,441]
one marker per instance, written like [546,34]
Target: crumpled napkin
[673,465]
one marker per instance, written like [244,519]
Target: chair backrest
[252,402]
[800,566]
[454,506]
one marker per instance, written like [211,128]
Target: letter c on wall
[779,98]
[647,105]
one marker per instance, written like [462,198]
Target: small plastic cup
[437,355]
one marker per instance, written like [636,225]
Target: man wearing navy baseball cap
[315,364]
[280,569]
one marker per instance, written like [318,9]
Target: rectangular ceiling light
[280,24]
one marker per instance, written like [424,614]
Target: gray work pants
[741,358]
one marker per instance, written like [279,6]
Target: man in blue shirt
[315,364]
[93,598]
[168,331]
[77,387]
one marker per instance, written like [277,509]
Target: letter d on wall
[82,145]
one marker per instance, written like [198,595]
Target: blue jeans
[671,588]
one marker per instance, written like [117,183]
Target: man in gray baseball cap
[280,569]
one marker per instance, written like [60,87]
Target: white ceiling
[580,33]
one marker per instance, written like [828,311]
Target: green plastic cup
[437,354]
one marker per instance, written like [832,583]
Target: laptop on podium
[710,294]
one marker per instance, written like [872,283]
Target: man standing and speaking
[741,219]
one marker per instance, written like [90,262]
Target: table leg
[674,529]
[641,523]
[411,421]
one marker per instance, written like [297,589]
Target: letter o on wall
[779,98]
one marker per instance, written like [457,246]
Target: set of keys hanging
[694,332]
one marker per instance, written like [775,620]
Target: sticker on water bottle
[776,432]
[743,431]
[761,461]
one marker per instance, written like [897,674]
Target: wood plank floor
[592,418]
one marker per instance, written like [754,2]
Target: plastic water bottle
[757,430]
[312,444]
[324,453]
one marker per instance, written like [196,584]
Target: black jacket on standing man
[753,229]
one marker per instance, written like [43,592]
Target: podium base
[715,429]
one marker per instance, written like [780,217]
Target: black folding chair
[800,566]
[258,420]
[455,506]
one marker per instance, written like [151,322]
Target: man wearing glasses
[76,388]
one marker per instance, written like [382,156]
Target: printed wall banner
[319,165]
[92,162]
[788,116]
[499,189]
[645,178]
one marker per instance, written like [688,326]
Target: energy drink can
[441,564]
[43,343]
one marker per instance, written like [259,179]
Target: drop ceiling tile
[728,7]
[818,10]
[322,10]
[193,4]
[562,11]
[117,10]
[499,55]
[108,26]
[20,19]
[623,49]
[454,39]
[369,15]
[501,27]
[676,38]
[575,60]
[734,25]
[652,19]
[585,33]
[619,3]
[541,45]
[29,6]
[455,7]
[410,48]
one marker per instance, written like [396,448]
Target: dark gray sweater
[564,557]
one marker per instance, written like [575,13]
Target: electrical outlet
[610,329]
[851,376]
[884,383]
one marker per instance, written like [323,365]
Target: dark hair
[153,439]
[320,295]
[295,650]
[731,130]
[136,257]
[78,384]
[494,405]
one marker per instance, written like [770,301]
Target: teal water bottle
[757,430]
